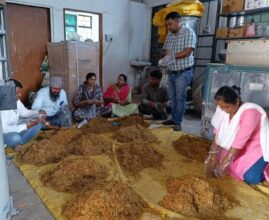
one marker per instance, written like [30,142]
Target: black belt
[180,71]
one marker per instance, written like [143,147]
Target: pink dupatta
[113,91]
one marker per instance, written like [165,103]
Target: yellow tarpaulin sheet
[150,183]
[184,8]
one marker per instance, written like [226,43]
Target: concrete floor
[25,198]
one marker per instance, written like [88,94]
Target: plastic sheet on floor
[150,183]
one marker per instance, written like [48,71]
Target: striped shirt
[185,38]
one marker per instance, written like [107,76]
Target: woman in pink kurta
[242,157]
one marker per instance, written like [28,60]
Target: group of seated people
[241,129]
[90,102]
[50,108]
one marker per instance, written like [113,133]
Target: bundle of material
[192,147]
[75,174]
[137,156]
[194,196]
[132,120]
[42,152]
[183,7]
[65,136]
[116,201]
[134,133]
[90,144]
[98,126]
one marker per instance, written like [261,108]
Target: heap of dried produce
[194,196]
[134,133]
[137,156]
[90,144]
[131,120]
[115,201]
[65,136]
[75,174]
[192,147]
[42,152]
[98,126]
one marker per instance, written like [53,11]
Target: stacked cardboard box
[230,6]
[72,61]
[237,32]
[222,32]
[254,4]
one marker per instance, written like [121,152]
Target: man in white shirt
[53,101]
[15,133]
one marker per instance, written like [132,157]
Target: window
[85,26]
[70,24]
[82,24]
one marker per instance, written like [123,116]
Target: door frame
[100,38]
[28,6]
[38,6]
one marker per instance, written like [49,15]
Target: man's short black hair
[17,83]
[172,15]
[156,74]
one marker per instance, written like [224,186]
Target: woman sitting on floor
[118,98]
[88,100]
[241,142]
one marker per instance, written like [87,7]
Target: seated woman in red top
[118,97]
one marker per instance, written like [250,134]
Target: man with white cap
[53,101]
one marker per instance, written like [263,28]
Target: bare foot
[264,183]
[18,147]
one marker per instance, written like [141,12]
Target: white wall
[139,36]
[153,3]
[123,19]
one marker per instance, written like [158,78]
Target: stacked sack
[183,7]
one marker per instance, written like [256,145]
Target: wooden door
[29,33]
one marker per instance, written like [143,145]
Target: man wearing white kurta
[53,101]
[15,133]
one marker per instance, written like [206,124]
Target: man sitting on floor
[53,101]
[154,98]
[16,133]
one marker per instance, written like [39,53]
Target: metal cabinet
[253,81]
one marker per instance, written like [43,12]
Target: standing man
[178,52]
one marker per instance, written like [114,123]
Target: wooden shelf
[246,12]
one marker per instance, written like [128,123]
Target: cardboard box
[254,4]
[72,61]
[237,32]
[248,52]
[230,6]
[222,33]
